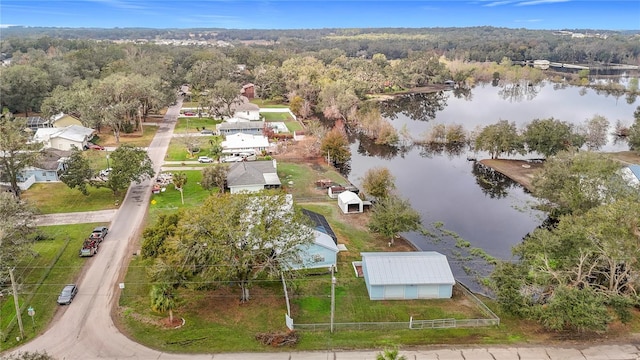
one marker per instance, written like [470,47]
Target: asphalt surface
[85,329]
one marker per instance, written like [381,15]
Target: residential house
[66,138]
[49,167]
[321,254]
[321,224]
[245,143]
[62,120]
[252,176]
[247,111]
[407,275]
[230,128]
[248,90]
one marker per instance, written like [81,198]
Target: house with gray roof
[246,127]
[252,176]
[407,275]
[50,165]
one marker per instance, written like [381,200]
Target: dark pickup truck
[99,233]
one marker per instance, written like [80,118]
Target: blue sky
[284,14]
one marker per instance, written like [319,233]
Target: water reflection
[491,182]
[452,150]
[419,106]
[520,91]
[472,203]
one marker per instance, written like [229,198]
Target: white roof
[241,141]
[325,240]
[348,197]
[402,268]
[72,132]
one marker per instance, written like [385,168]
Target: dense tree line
[483,43]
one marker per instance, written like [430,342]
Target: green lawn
[177,151]
[195,124]
[276,116]
[50,198]
[269,103]
[169,200]
[106,138]
[42,281]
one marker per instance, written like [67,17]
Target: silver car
[68,293]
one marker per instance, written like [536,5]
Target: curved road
[85,329]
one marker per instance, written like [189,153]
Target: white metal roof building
[407,275]
[349,202]
[239,142]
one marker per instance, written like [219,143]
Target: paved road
[85,330]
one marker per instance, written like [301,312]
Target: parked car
[99,233]
[93,146]
[205,159]
[105,172]
[206,132]
[189,113]
[68,293]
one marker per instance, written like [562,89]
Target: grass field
[57,197]
[55,262]
[195,124]
[139,139]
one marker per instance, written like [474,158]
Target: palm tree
[179,180]
[390,354]
[163,299]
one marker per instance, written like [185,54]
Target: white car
[105,172]
[205,159]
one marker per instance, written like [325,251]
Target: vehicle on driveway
[99,233]
[205,159]
[68,293]
[93,146]
[206,132]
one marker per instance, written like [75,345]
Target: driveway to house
[100,216]
[85,329]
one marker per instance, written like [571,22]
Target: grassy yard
[299,179]
[177,151]
[139,139]
[169,200]
[50,198]
[269,103]
[195,124]
[55,263]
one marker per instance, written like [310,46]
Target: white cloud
[539,2]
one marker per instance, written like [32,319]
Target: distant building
[248,90]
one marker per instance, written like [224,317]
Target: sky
[312,14]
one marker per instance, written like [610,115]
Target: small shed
[407,275]
[350,203]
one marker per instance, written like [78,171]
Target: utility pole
[15,301]
[333,297]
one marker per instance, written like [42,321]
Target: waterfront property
[407,275]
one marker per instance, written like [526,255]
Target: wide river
[459,200]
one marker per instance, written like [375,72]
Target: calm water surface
[485,209]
